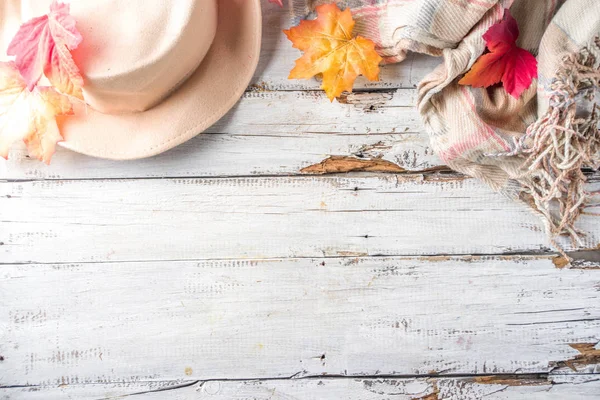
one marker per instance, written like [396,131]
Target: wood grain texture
[578,387]
[129,322]
[267,133]
[217,271]
[177,219]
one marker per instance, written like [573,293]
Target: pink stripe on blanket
[486,4]
[371,10]
[472,140]
[371,17]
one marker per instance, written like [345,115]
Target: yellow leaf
[29,115]
[329,49]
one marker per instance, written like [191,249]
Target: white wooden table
[297,250]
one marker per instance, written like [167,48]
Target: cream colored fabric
[506,142]
[130,59]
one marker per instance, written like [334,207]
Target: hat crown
[136,52]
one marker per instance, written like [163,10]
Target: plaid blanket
[533,148]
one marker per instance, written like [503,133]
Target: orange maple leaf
[329,49]
[29,115]
[506,62]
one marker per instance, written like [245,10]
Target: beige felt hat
[157,72]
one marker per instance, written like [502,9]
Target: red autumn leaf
[43,45]
[280,2]
[506,62]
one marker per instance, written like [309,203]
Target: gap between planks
[437,173]
[582,259]
[472,387]
[178,383]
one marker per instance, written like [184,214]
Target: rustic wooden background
[299,249]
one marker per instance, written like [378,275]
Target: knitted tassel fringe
[560,144]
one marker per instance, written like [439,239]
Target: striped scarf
[532,149]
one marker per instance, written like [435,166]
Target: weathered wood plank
[268,133]
[128,322]
[570,387]
[174,219]
[233,155]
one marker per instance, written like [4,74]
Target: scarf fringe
[559,145]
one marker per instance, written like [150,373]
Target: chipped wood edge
[588,355]
[338,164]
[341,164]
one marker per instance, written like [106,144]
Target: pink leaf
[506,62]
[43,46]
[280,2]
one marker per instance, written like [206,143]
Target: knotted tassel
[560,144]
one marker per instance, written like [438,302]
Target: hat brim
[205,97]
